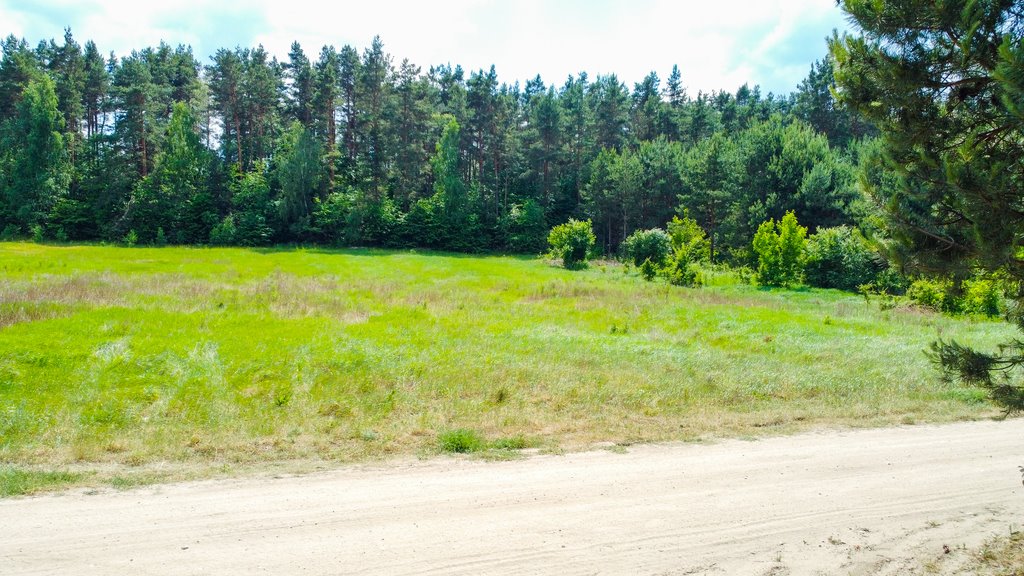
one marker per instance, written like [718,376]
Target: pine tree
[944,84]
[299,95]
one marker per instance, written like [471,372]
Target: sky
[720,44]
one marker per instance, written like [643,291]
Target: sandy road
[857,502]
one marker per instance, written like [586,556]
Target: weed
[511,443]
[460,441]
[17,481]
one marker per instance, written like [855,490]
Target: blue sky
[717,45]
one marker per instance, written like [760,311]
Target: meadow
[121,366]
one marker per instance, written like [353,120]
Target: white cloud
[717,45]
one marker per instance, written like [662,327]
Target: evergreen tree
[709,175]
[412,122]
[325,106]
[299,94]
[944,84]
[33,165]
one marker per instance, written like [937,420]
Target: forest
[355,148]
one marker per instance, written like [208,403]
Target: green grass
[18,482]
[130,360]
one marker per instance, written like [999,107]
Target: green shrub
[253,216]
[223,234]
[571,243]
[649,270]
[10,232]
[840,258]
[460,441]
[932,293]
[690,247]
[982,296]
[682,272]
[330,216]
[524,227]
[131,238]
[161,238]
[652,245]
[780,250]
[38,233]
[688,237]
[511,443]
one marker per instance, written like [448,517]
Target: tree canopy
[944,84]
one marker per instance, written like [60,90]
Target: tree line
[353,148]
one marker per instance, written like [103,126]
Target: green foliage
[223,234]
[981,296]
[780,251]
[34,172]
[161,238]
[690,248]
[460,441]
[38,233]
[689,238]
[253,218]
[710,172]
[649,270]
[448,184]
[943,82]
[571,243]
[10,232]
[130,239]
[300,172]
[330,217]
[934,294]
[648,245]
[374,224]
[525,227]
[840,258]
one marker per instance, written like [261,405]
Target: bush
[571,243]
[161,238]
[780,250]
[253,216]
[690,247]
[524,227]
[649,270]
[982,296]
[687,236]
[131,238]
[38,233]
[648,245]
[223,234]
[931,293]
[330,217]
[10,232]
[840,258]
[683,272]
[373,223]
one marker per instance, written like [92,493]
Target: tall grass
[127,357]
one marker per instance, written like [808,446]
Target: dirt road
[858,502]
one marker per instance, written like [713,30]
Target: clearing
[126,366]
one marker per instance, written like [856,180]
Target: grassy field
[127,365]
